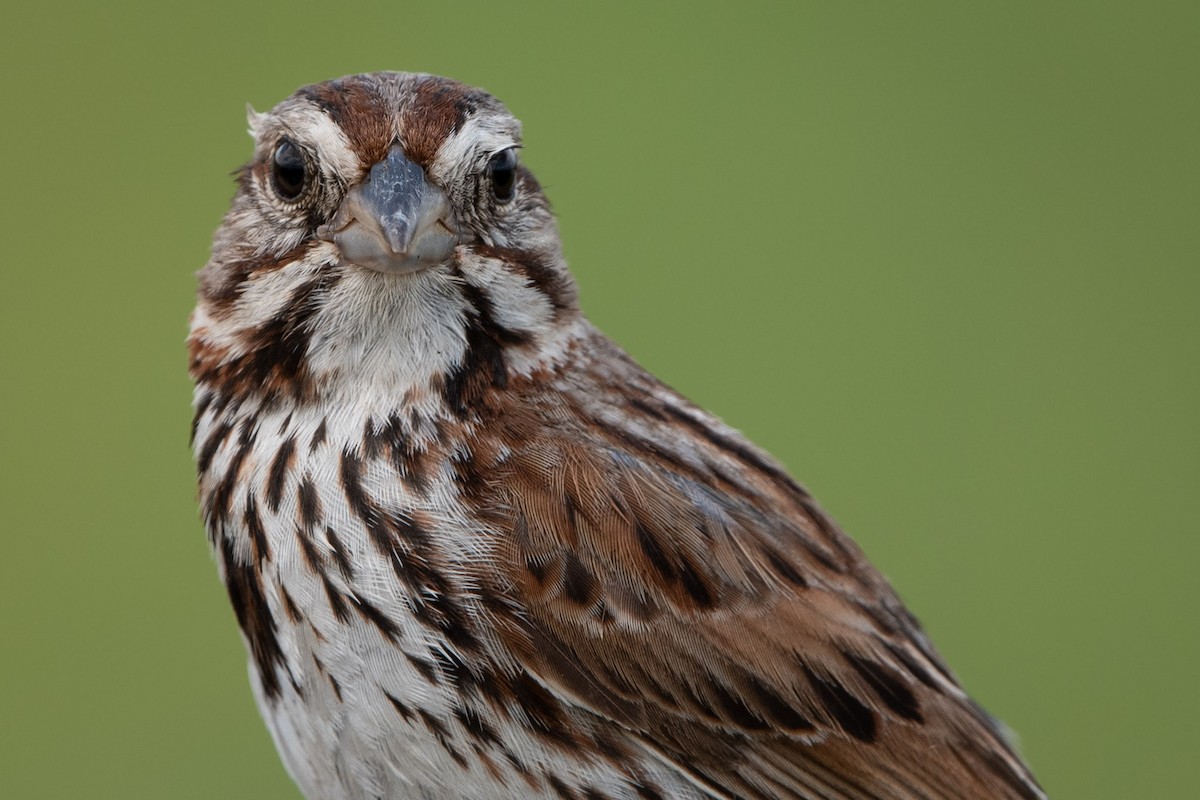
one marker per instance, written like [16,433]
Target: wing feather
[670,578]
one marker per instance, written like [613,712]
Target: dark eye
[503,171]
[288,170]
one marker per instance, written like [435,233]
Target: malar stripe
[274,361]
[221,288]
[482,367]
[278,349]
[543,272]
[486,313]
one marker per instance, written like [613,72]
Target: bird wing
[671,578]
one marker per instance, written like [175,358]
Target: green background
[939,258]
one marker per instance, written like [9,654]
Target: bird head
[391,213]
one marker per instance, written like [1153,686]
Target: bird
[474,549]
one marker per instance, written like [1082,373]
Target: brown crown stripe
[361,112]
[368,110]
[437,109]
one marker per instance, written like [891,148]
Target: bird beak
[395,221]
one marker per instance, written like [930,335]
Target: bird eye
[503,171]
[288,170]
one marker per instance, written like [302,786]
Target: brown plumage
[475,550]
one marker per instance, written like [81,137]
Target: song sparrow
[475,550]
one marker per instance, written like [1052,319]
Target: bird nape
[474,549]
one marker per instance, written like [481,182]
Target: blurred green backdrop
[940,258]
